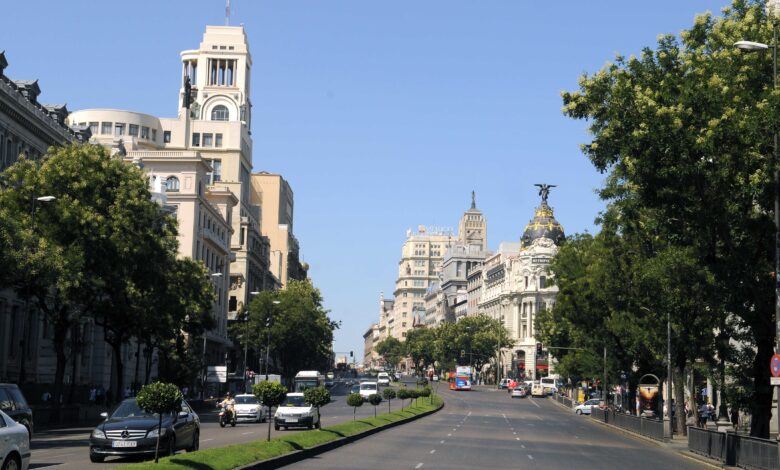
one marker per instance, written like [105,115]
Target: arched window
[172,184]
[220,113]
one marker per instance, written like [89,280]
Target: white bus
[307,379]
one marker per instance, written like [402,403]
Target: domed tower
[543,225]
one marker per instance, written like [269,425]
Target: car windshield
[367,386]
[293,401]
[130,409]
[247,401]
[355,388]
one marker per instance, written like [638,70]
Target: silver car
[14,444]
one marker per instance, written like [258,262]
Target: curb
[683,453]
[297,456]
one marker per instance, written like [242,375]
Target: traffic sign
[774,380]
[774,365]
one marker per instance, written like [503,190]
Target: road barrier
[734,449]
[565,401]
[652,428]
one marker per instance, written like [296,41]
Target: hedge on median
[237,455]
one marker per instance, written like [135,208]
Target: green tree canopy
[391,351]
[159,398]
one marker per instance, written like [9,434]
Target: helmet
[227,394]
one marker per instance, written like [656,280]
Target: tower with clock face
[472,229]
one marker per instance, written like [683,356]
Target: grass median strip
[236,455]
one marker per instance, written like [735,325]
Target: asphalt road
[488,429]
[69,448]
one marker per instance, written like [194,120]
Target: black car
[130,431]
[13,404]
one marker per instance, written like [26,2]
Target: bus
[460,379]
[307,379]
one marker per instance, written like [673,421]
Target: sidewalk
[678,445]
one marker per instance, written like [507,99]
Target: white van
[537,390]
[383,378]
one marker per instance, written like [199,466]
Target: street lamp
[668,414]
[23,355]
[772,10]
[246,339]
[268,340]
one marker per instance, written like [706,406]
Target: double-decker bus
[460,379]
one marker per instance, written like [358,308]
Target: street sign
[216,374]
[774,365]
[774,380]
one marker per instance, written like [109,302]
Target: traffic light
[538,349]
[350,354]
[268,322]
[462,353]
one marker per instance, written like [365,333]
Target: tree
[303,340]
[391,351]
[402,394]
[269,394]
[697,110]
[354,400]
[388,395]
[375,399]
[160,398]
[418,346]
[317,397]
[426,392]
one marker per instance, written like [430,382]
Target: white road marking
[522,446]
[514,433]
[441,442]
[469,414]
[530,456]
[535,404]
[502,414]
[206,440]
[449,435]
[517,438]
[433,451]
[245,433]
[419,465]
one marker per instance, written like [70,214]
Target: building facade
[275,196]
[27,128]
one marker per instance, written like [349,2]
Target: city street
[69,448]
[488,429]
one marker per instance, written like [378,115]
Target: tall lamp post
[668,414]
[22,353]
[772,9]
[268,340]
[215,276]
[246,341]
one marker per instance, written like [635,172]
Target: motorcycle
[226,416]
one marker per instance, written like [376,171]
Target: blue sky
[381,115]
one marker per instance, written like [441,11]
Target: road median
[284,450]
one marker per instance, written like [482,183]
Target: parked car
[248,408]
[383,378]
[504,383]
[584,408]
[131,431]
[518,392]
[294,411]
[14,444]
[13,403]
[368,388]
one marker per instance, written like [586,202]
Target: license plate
[291,420]
[124,444]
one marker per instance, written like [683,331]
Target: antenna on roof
[227,12]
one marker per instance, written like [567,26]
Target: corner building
[200,163]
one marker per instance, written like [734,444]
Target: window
[542,282]
[216,173]
[133,130]
[218,140]
[154,134]
[196,139]
[208,140]
[220,113]
[167,137]
[105,127]
[144,132]
[93,128]
[119,129]
[172,184]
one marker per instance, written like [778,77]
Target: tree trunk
[59,375]
[762,403]
[679,399]
[137,361]
[692,405]
[159,431]
[116,346]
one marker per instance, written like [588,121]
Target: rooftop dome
[543,224]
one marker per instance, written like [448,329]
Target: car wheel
[195,442]
[172,446]
[12,463]
[95,458]
[276,427]
[579,412]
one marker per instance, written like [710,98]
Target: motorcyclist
[228,404]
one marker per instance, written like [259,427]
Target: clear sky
[382,115]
